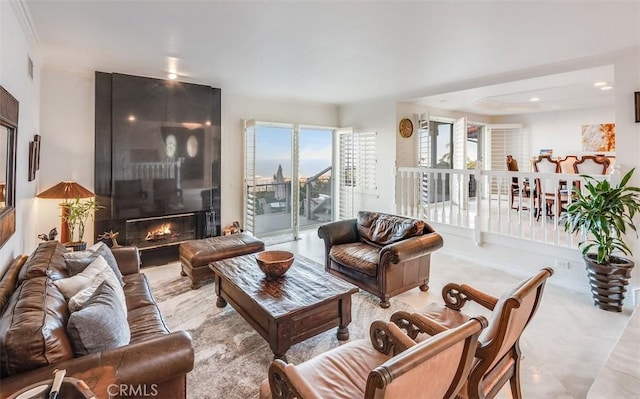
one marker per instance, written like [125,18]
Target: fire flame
[159,233]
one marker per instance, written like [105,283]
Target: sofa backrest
[380,229]
[34,312]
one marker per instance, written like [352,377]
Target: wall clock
[406,128]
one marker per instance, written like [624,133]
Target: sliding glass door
[287,179]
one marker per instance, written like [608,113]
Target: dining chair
[566,164]
[591,165]
[549,189]
[517,191]
[498,353]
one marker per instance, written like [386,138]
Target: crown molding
[24,18]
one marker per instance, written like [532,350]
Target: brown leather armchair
[498,352]
[391,365]
[383,254]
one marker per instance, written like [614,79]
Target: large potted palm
[605,213]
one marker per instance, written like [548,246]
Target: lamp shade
[66,190]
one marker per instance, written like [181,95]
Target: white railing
[481,200]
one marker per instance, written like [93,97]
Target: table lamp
[65,190]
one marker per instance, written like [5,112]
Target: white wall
[235,109]
[558,130]
[16,44]
[67,153]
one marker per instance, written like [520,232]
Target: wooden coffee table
[284,311]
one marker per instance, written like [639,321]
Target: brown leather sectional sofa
[383,254]
[155,360]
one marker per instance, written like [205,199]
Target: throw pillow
[78,261]
[100,325]
[77,301]
[71,285]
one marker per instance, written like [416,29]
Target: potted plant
[78,211]
[605,212]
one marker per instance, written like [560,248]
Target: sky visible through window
[273,148]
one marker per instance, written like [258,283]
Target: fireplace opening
[161,231]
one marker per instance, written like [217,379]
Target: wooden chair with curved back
[518,192]
[389,365]
[498,352]
[566,164]
[549,189]
[591,165]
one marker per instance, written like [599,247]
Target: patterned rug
[231,359]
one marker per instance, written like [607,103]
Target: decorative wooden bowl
[274,263]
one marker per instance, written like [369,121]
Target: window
[357,151]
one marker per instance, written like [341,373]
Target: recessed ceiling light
[534,99]
[599,84]
[606,88]
[173,75]
[132,118]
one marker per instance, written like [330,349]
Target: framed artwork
[637,106]
[34,157]
[546,151]
[599,138]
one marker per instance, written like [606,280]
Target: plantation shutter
[507,139]
[357,168]
[425,156]
[249,175]
[459,190]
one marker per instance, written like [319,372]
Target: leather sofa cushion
[137,291]
[145,323]
[381,229]
[46,260]
[358,256]
[32,328]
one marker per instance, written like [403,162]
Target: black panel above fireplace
[157,155]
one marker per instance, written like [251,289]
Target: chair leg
[514,381]
[424,287]
[384,303]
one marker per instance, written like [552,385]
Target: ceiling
[326,51]
[558,92]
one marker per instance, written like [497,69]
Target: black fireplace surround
[157,160]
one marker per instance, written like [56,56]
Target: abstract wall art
[599,138]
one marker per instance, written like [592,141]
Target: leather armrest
[281,373]
[455,296]
[427,325]
[340,232]
[128,259]
[412,248]
[147,362]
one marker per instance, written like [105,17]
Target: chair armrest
[386,336]
[286,382]
[148,362]
[455,296]
[415,323]
[411,248]
[340,232]
[128,259]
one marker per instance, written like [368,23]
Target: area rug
[231,359]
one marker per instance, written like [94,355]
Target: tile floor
[564,346]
